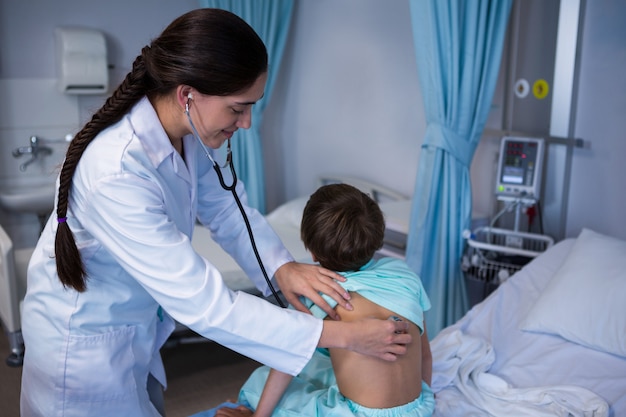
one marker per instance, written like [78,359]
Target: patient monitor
[520,168]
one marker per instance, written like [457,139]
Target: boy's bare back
[372,382]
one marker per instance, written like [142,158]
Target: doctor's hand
[384,339]
[296,279]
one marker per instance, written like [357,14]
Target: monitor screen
[519,167]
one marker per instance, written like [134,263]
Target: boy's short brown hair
[342,227]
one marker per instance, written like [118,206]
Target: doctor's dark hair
[211,50]
[342,227]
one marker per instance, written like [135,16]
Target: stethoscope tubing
[232,189]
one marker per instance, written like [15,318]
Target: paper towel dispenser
[81,61]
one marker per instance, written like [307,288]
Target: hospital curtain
[270,19]
[458,44]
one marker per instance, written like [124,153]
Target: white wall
[37,108]
[597,198]
[598,191]
[348,100]
[327,114]
[27,30]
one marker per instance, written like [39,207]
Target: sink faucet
[34,150]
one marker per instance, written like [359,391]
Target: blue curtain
[458,44]
[271,20]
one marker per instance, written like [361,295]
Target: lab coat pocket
[99,368]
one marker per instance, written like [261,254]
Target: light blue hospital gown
[387,282]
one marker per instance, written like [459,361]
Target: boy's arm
[273,391]
[427,358]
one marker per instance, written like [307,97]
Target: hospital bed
[285,220]
[533,347]
[551,340]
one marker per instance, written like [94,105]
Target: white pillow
[289,213]
[585,302]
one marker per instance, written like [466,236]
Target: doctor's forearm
[333,335]
[379,338]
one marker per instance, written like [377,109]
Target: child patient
[343,228]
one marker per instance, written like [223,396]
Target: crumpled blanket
[464,387]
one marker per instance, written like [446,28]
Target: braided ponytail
[69,263]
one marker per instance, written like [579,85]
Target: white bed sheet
[528,360]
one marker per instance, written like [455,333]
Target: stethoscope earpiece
[189,98]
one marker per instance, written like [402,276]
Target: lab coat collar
[154,140]
[148,128]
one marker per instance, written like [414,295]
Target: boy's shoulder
[391,268]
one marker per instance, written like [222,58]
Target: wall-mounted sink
[37,198]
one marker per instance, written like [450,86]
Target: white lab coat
[132,209]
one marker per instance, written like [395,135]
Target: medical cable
[540,217]
[231,188]
[507,207]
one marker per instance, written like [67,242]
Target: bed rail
[378,192]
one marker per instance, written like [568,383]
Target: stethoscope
[231,188]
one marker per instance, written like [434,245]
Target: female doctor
[114,266]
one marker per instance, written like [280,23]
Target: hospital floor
[200,376]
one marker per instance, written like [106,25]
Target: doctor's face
[217,118]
